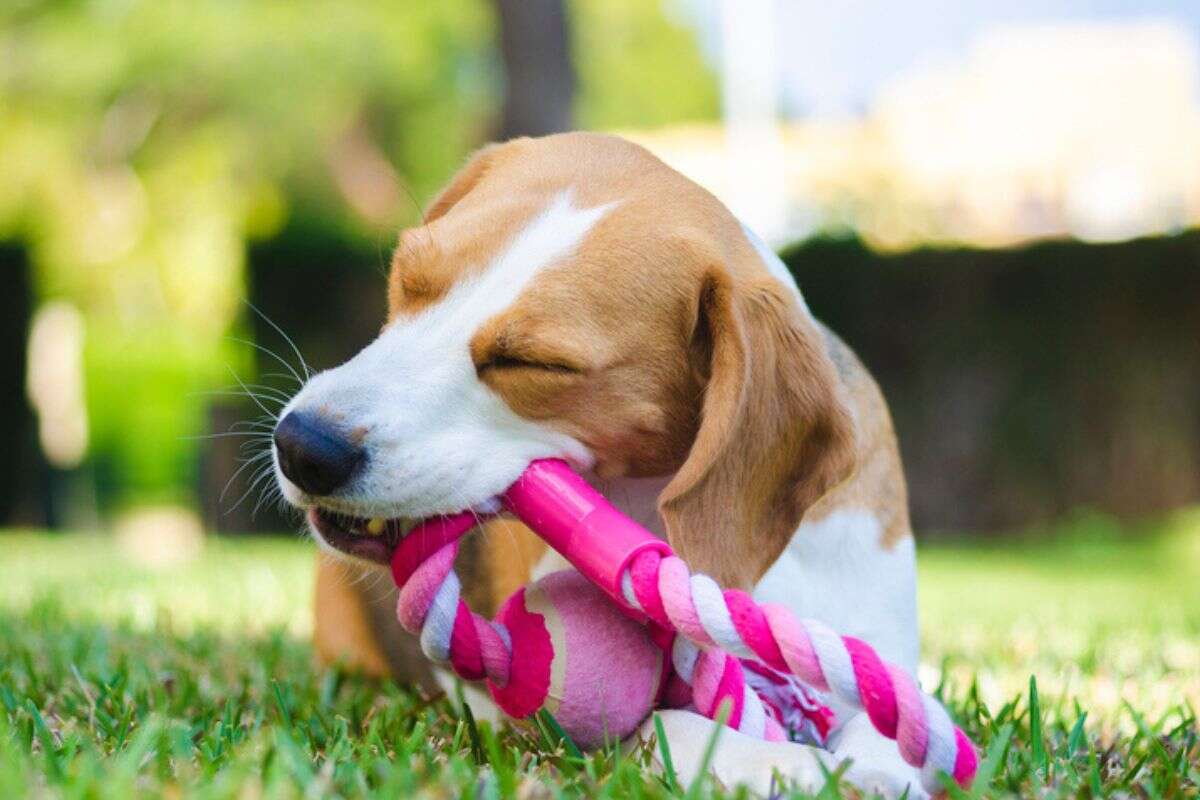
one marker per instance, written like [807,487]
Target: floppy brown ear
[775,433]
[463,182]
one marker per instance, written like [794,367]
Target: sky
[835,54]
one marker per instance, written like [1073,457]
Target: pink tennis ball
[575,654]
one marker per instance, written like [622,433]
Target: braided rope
[430,604]
[715,628]
[729,621]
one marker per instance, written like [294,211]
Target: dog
[572,296]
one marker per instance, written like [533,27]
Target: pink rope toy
[591,645]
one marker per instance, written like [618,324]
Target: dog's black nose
[313,454]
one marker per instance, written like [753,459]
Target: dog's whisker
[368,581]
[268,397]
[265,497]
[381,585]
[253,427]
[525,561]
[254,423]
[292,373]
[237,472]
[286,338]
[270,391]
[252,396]
[264,453]
[228,434]
[260,443]
[256,397]
[235,393]
[264,472]
[264,388]
[253,458]
[482,528]
[287,509]
[282,375]
[373,584]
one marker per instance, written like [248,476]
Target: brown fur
[342,632]
[353,629]
[666,348]
[774,437]
[878,482]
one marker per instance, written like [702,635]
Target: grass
[1071,655]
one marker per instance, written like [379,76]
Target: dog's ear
[463,182]
[775,432]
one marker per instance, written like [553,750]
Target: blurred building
[1088,130]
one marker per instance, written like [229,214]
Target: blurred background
[994,204]
[992,207]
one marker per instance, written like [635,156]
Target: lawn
[197,681]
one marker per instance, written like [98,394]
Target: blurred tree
[539,84]
[20,467]
[638,65]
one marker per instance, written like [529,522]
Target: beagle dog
[573,297]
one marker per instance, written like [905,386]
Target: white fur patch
[776,267]
[437,439]
[875,763]
[836,570]
[735,759]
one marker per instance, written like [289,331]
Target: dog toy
[633,628]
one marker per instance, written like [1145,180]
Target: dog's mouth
[371,539]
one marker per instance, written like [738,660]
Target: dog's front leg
[875,763]
[738,760]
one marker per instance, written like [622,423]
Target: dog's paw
[875,781]
[875,765]
[738,760]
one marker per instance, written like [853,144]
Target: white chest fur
[837,570]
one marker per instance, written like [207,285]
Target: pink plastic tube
[578,522]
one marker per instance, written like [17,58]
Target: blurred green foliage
[637,66]
[143,143]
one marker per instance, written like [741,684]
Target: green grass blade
[477,751]
[1036,735]
[546,718]
[990,766]
[1075,739]
[664,749]
[710,749]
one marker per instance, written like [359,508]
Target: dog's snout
[314,455]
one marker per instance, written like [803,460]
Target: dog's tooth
[375,525]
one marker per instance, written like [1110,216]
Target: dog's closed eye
[505,361]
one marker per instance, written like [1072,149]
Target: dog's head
[574,297]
